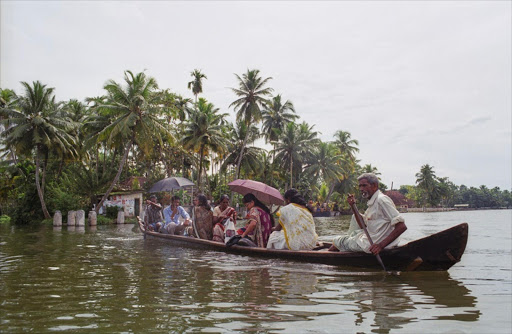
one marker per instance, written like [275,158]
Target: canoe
[436,252]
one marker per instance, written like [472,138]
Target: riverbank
[405,210]
[446,209]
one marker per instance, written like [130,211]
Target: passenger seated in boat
[221,214]
[172,214]
[203,218]
[153,214]
[259,221]
[383,221]
[296,228]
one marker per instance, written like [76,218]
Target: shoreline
[412,210]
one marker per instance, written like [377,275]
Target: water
[110,279]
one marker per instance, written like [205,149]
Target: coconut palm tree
[275,116]
[8,100]
[346,145]
[203,132]
[250,161]
[326,164]
[427,182]
[251,94]
[294,146]
[129,116]
[368,168]
[38,128]
[196,85]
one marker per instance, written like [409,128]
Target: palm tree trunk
[39,190]
[272,166]
[331,190]
[14,158]
[200,171]
[61,166]
[118,175]
[241,155]
[97,162]
[43,178]
[291,172]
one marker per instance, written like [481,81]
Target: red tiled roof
[399,199]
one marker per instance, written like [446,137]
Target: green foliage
[47,221]
[322,194]
[22,193]
[102,220]
[59,198]
[80,147]
[4,219]
[111,211]
[429,185]
[135,184]
[196,85]
[412,193]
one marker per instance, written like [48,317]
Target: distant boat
[323,214]
[437,252]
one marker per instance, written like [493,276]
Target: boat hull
[436,252]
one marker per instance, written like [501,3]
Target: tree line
[434,191]
[59,155]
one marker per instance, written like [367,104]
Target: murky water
[110,279]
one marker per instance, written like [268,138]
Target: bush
[102,220]
[5,219]
[130,220]
[48,221]
[63,200]
[112,211]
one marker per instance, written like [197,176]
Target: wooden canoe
[436,252]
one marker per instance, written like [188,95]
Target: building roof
[399,199]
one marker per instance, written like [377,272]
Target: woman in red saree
[221,214]
[259,221]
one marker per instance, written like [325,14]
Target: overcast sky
[415,82]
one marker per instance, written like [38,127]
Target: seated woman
[259,221]
[203,218]
[296,229]
[221,213]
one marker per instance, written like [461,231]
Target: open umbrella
[171,183]
[263,192]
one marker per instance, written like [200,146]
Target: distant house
[127,195]
[130,201]
[400,200]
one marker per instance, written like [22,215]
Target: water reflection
[396,301]
[111,279]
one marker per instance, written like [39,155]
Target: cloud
[415,83]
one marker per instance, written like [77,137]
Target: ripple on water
[150,286]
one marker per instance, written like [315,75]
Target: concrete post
[71,218]
[80,218]
[120,217]
[93,220]
[57,218]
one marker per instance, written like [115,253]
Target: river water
[110,279]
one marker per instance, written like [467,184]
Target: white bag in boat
[229,231]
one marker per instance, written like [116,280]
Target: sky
[414,82]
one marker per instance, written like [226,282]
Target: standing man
[383,221]
[153,214]
[172,214]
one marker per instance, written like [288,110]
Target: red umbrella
[263,192]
